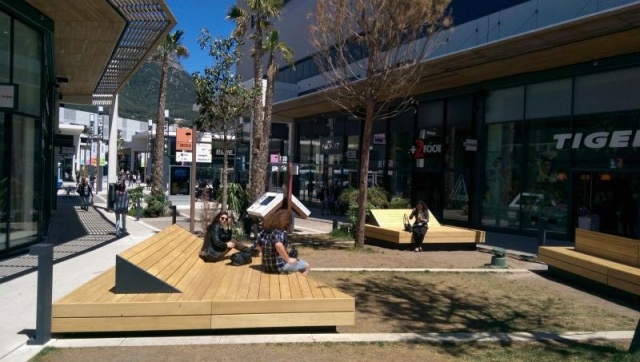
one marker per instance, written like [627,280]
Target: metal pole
[192,184]
[174,213]
[45,287]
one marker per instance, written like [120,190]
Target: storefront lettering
[420,149]
[616,139]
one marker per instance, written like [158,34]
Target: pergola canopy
[99,44]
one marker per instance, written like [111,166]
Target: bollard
[45,286]
[139,210]
[498,259]
[174,212]
[335,224]
[542,230]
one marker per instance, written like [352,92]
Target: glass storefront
[25,192]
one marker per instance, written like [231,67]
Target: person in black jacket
[217,239]
[421,225]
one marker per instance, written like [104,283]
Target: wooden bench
[607,259]
[386,225]
[200,295]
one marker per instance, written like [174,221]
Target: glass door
[607,202]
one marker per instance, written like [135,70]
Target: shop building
[529,111]
[54,52]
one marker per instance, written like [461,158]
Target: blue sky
[193,15]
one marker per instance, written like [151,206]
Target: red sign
[183,139]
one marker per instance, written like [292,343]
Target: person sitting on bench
[217,239]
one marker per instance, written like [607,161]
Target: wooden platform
[387,226]
[607,259]
[208,296]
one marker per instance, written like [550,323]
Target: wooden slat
[274,286]
[611,247]
[145,309]
[281,320]
[254,286]
[294,286]
[124,324]
[282,306]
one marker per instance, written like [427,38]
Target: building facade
[528,112]
[50,52]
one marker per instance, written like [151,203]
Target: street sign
[183,156]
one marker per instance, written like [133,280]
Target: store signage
[470,145]
[7,96]
[183,139]
[203,152]
[220,152]
[331,145]
[419,149]
[615,139]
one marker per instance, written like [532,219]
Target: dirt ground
[323,252]
[401,302]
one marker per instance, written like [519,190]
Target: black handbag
[407,224]
[241,258]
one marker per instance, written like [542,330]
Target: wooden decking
[208,296]
[387,226]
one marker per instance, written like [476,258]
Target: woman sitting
[273,245]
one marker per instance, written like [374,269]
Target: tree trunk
[268,105]
[257,173]
[364,171]
[158,151]
[225,197]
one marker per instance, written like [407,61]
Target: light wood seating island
[387,225]
[161,284]
[607,259]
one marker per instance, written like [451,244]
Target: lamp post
[98,165]
[148,168]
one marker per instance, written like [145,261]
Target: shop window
[24,209]
[5,47]
[608,91]
[605,141]
[27,71]
[4,187]
[505,105]
[503,175]
[549,99]
[431,114]
[547,186]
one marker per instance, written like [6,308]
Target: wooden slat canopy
[99,44]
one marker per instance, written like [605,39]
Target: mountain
[139,97]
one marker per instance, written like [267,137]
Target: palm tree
[272,46]
[170,49]
[257,16]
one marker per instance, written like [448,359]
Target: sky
[193,15]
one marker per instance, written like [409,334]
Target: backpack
[242,257]
[80,190]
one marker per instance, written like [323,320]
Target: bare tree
[170,48]
[257,16]
[370,53]
[221,96]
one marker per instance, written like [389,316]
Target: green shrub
[398,202]
[377,198]
[136,196]
[156,206]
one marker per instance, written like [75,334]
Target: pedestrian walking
[86,193]
[121,207]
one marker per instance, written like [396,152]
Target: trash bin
[111,195]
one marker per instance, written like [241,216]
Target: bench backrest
[392,218]
[615,248]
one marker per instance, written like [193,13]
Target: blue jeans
[299,266]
